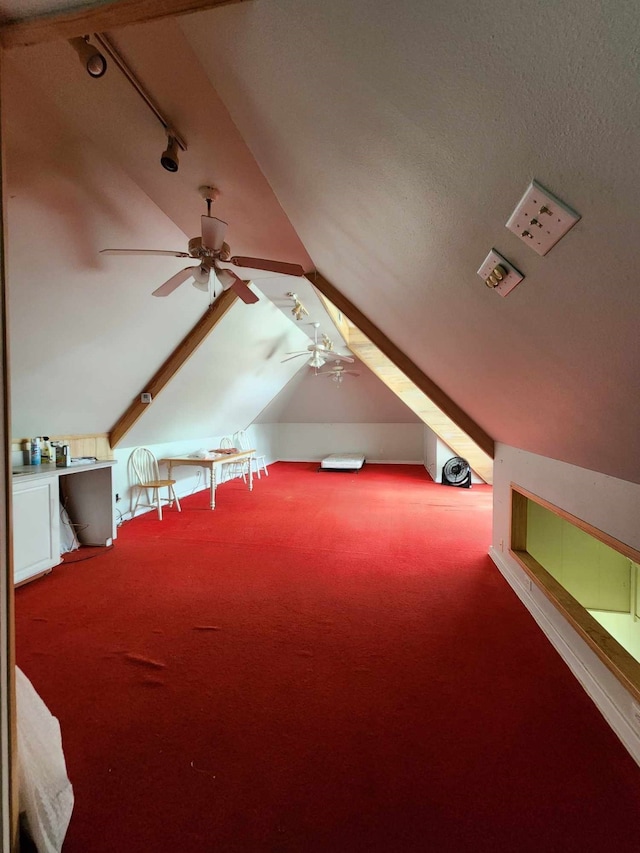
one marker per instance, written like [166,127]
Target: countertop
[47,469]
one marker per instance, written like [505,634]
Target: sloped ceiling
[400,135]
[386,144]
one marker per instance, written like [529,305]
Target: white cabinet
[36,528]
[87,495]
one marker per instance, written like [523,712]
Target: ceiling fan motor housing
[195,247]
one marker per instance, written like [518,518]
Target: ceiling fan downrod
[209,194]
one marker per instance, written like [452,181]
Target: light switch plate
[540,219]
[512,278]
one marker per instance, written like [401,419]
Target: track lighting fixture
[90,56]
[169,159]
[298,310]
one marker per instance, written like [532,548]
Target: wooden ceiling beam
[108,16]
[403,363]
[181,354]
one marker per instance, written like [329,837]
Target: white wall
[313,416]
[609,504]
[264,437]
[310,398]
[296,442]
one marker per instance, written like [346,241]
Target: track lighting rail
[110,49]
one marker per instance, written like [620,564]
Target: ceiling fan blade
[245,293]
[228,279]
[144,252]
[271,266]
[175,281]
[337,356]
[291,357]
[213,231]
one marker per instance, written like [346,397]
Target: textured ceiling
[391,142]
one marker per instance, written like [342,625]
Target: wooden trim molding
[403,363]
[178,357]
[518,520]
[90,444]
[611,541]
[614,656]
[107,16]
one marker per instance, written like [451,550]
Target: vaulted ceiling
[386,144]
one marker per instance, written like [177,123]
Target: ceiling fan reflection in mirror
[319,352]
[209,250]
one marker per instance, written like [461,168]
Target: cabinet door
[36,532]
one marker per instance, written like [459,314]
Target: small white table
[212,461]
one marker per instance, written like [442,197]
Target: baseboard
[610,697]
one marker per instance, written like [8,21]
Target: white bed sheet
[349,461]
[44,790]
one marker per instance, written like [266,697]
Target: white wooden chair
[144,467]
[257,461]
[237,468]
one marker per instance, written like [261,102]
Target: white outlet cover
[540,219]
[512,278]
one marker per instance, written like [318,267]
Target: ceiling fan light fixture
[226,278]
[93,61]
[201,278]
[316,360]
[169,159]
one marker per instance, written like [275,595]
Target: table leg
[169,476]
[212,503]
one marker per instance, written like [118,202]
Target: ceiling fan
[319,352]
[337,372]
[209,250]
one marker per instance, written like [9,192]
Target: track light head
[91,58]
[169,159]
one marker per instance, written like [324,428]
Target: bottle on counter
[36,457]
[63,456]
[45,453]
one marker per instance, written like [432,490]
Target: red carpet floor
[331,663]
